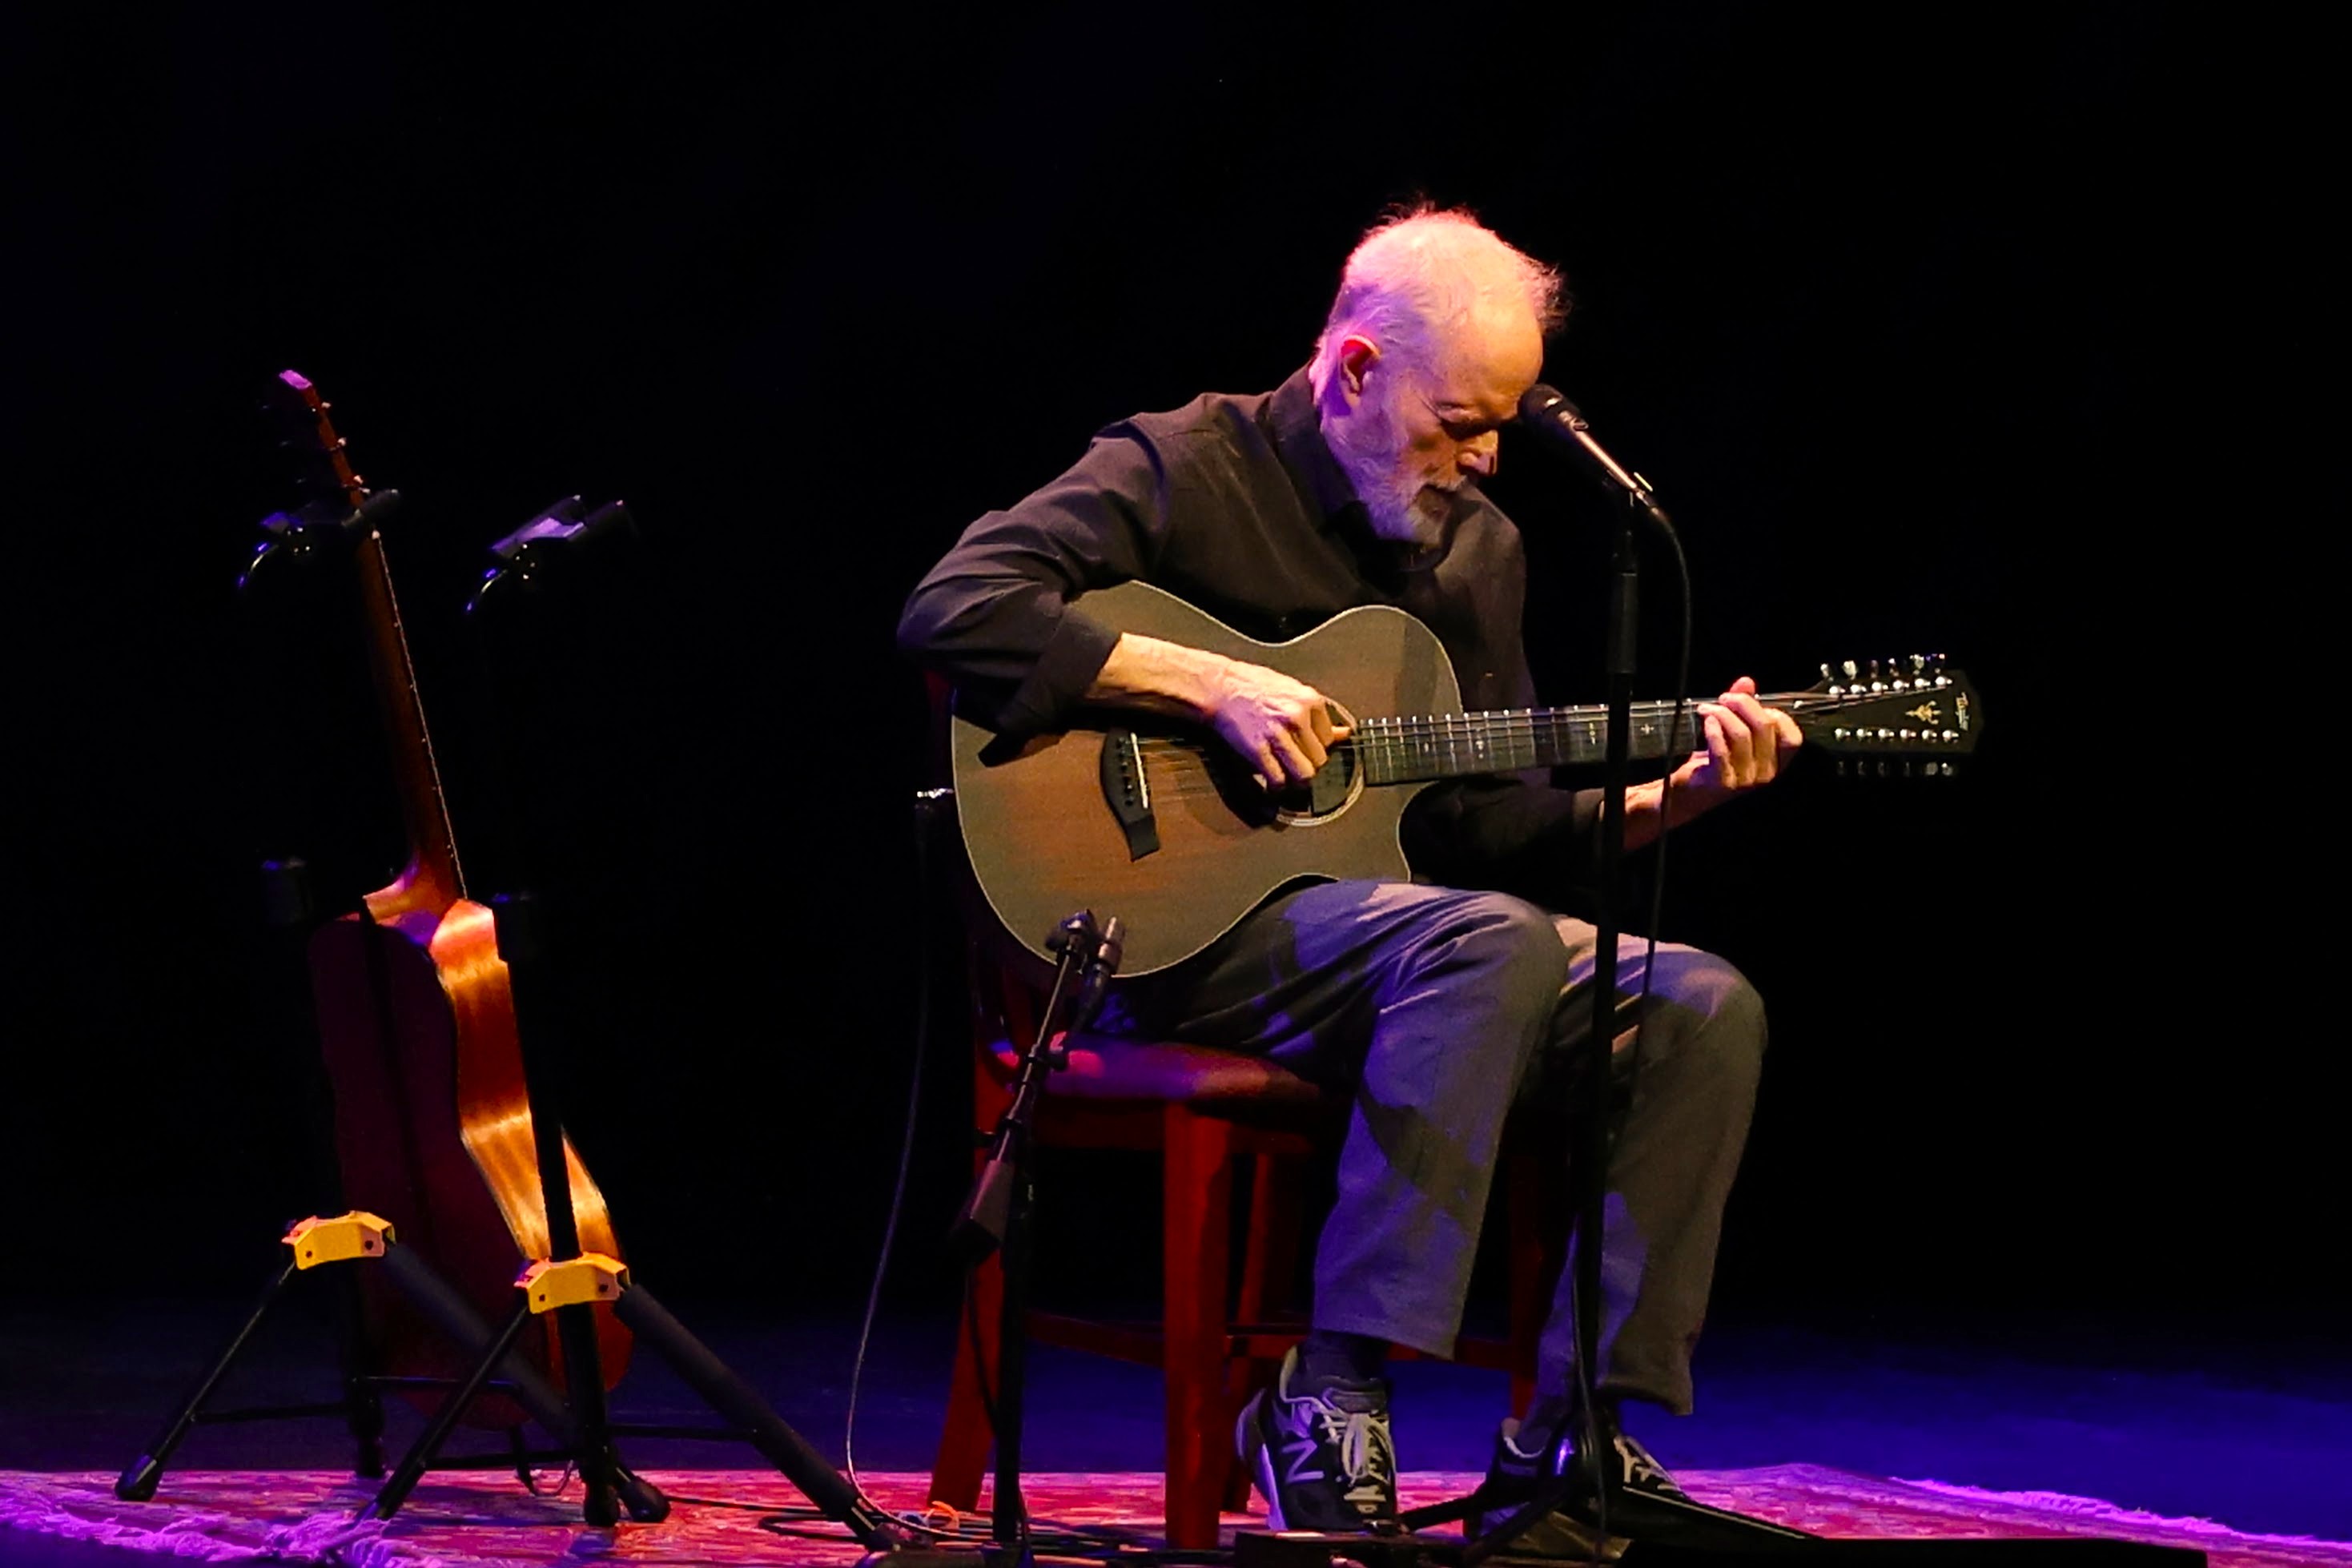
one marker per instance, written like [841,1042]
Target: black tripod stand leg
[609,1481]
[292,914]
[363,1404]
[137,1482]
[393,1492]
[740,1405]
[458,1324]
[641,1499]
[457,1321]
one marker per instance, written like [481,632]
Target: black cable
[926,802]
[1110,1543]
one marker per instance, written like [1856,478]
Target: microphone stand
[1694,1528]
[996,1216]
[1588,1136]
[1659,1531]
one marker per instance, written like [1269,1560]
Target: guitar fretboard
[1446,745]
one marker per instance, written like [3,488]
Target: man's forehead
[1486,360]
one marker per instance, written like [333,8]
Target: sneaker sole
[1258,1455]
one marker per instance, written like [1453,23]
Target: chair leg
[964,1435]
[1270,1256]
[1269,1263]
[1197,1229]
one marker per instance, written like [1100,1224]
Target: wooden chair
[1211,1115]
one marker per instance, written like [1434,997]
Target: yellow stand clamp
[579,1281]
[358,1233]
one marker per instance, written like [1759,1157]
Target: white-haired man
[1433,1004]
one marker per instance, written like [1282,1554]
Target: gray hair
[1421,271]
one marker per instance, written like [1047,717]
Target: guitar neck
[1448,745]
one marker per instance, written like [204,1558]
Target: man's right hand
[1283,729]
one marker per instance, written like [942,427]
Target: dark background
[1889,309]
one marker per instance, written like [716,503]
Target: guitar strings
[1452,728]
[1404,741]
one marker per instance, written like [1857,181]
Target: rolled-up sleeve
[994,615]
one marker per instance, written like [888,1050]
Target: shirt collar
[1298,437]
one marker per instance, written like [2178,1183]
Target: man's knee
[1506,944]
[1512,933]
[1725,1012]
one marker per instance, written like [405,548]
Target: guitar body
[433,1131]
[1045,843]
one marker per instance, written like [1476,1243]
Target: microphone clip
[1093,951]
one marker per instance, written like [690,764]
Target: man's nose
[1478,456]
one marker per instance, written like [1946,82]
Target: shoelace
[1638,1464]
[1367,1451]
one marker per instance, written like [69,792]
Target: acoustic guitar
[1158,823]
[416,1017]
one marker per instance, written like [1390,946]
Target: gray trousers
[1439,1011]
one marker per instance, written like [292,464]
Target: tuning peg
[1918,664]
[1851,669]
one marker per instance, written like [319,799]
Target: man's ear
[1358,354]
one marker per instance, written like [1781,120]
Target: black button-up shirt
[1236,505]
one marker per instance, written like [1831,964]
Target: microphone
[1096,980]
[1552,415]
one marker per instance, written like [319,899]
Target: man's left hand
[1747,745]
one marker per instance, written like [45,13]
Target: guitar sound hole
[1335,784]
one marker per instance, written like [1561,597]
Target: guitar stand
[355,1236]
[360,1237]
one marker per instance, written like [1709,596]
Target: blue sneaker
[1639,1489]
[1322,1460]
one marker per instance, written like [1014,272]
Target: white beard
[1407,508]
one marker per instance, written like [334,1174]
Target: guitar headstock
[1883,717]
[324,461]
[336,506]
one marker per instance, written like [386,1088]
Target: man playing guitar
[1436,1002]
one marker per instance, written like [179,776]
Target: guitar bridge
[1128,793]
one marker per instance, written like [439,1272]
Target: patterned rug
[461,1520]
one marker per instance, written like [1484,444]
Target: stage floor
[751,1520]
[2253,1433]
